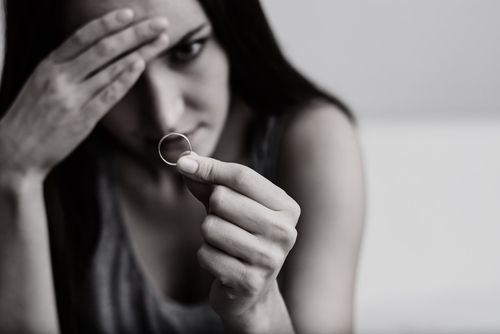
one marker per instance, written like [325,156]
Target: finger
[92,32]
[227,269]
[115,45]
[274,226]
[237,242]
[103,78]
[235,176]
[113,93]
[242,211]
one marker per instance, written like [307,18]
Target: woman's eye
[187,52]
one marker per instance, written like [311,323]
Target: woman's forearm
[27,299]
[271,316]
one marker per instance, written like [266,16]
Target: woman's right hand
[74,87]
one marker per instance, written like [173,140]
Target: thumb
[201,190]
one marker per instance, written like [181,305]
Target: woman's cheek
[211,93]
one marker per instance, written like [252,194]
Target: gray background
[423,77]
[398,58]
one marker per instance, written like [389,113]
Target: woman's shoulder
[320,156]
[318,129]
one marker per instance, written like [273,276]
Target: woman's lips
[157,138]
[174,146]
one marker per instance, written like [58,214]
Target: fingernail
[158,25]
[125,16]
[187,165]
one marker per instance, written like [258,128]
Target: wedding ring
[174,136]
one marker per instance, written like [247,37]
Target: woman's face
[184,90]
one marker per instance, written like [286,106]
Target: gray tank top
[100,286]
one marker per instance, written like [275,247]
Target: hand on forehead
[183,15]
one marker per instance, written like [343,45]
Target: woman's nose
[165,100]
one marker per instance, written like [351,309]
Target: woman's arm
[27,300]
[58,107]
[248,231]
[321,169]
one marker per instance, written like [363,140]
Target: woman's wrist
[13,173]
[19,180]
[269,316]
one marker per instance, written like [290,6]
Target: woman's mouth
[173,146]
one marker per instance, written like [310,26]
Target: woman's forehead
[182,14]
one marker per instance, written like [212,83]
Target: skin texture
[61,102]
[74,88]
[176,93]
[225,219]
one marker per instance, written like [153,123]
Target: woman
[99,236]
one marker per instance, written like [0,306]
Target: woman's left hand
[248,231]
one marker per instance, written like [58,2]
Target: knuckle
[253,282]
[106,24]
[276,257]
[286,235]
[128,61]
[207,227]
[292,238]
[79,37]
[241,176]
[217,198]
[111,94]
[57,83]
[271,258]
[292,210]
[104,48]
[226,281]
[140,32]
[296,209]
[115,69]
[207,171]
[118,67]
[68,104]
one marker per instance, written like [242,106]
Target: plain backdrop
[398,58]
[423,78]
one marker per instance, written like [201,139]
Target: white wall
[423,77]
[431,257]
[404,58]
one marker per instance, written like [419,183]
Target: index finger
[92,32]
[238,177]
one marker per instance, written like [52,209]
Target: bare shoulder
[320,166]
[321,144]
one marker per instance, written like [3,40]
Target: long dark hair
[260,73]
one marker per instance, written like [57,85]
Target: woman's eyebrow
[189,35]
